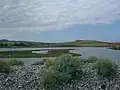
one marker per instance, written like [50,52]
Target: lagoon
[100,52]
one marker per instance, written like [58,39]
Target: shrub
[69,64]
[106,67]
[58,70]
[4,67]
[51,63]
[39,62]
[51,78]
[91,59]
[16,62]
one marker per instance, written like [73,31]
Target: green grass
[29,54]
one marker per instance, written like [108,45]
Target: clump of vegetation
[91,59]
[106,67]
[115,47]
[59,70]
[4,67]
[42,62]
[16,62]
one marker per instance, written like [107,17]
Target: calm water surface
[98,52]
[85,51]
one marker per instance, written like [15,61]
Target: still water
[85,51]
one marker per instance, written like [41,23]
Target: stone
[26,78]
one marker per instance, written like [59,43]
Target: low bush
[91,59]
[4,67]
[106,67]
[16,62]
[59,70]
[50,79]
[41,62]
[69,64]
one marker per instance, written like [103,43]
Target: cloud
[42,15]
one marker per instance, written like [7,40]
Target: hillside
[86,43]
[78,43]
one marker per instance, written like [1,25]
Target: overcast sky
[60,20]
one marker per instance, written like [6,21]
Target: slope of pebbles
[27,78]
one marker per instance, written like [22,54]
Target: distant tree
[21,44]
[16,44]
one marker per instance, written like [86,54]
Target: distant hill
[4,40]
[76,43]
[13,41]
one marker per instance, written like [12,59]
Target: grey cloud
[48,14]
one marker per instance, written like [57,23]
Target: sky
[60,20]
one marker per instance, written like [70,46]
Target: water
[41,51]
[99,52]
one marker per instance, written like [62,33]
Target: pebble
[21,78]
[27,78]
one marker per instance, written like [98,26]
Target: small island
[35,54]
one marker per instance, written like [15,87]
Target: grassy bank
[29,54]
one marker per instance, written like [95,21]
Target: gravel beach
[27,78]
